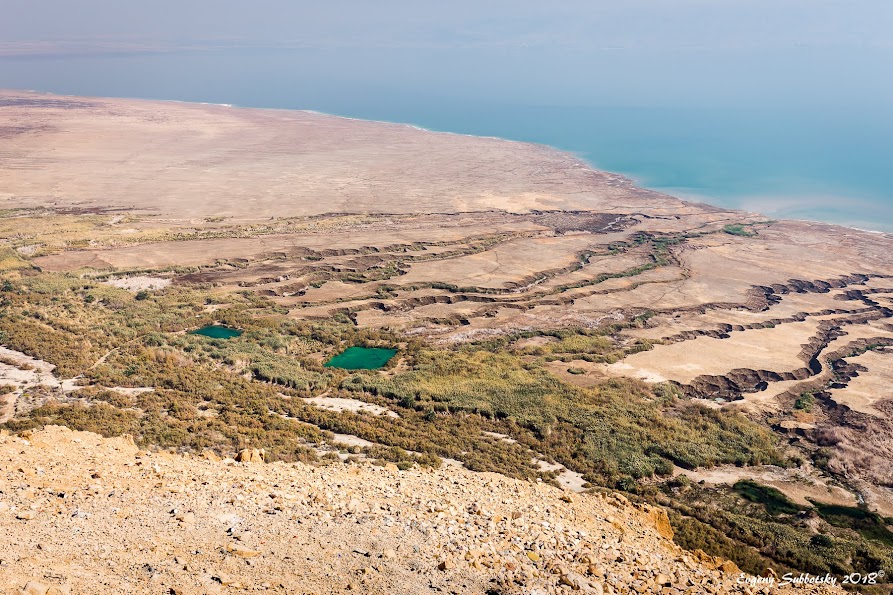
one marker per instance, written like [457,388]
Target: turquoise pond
[217,331]
[361,358]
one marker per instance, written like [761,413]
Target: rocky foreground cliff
[84,514]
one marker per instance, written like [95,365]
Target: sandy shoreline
[564,154]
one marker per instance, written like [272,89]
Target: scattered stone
[251,455]
[35,588]
[241,551]
[226,580]
[187,518]
[427,530]
[211,455]
[575,581]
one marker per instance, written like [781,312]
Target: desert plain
[455,241]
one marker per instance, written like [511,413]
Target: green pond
[361,358]
[217,331]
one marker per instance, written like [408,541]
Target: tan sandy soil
[176,159]
[351,440]
[510,262]
[774,349]
[333,291]
[339,404]
[737,261]
[7,407]
[207,251]
[857,332]
[538,341]
[596,266]
[21,370]
[878,498]
[866,389]
[796,484]
[151,523]
[139,283]
[664,326]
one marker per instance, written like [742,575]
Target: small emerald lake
[216,331]
[361,358]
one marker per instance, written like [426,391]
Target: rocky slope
[84,514]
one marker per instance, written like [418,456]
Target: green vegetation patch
[10,260]
[615,433]
[692,534]
[591,346]
[775,501]
[869,524]
[715,520]
[737,229]
[805,402]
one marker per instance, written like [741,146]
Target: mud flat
[775,349]
[178,161]
[873,384]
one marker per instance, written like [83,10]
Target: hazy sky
[581,24]
[688,52]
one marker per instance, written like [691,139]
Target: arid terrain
[159,523]
[125,223]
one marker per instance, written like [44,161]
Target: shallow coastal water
[806,160]
[783,163]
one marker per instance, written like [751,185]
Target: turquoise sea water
[784,163]
[797,159]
